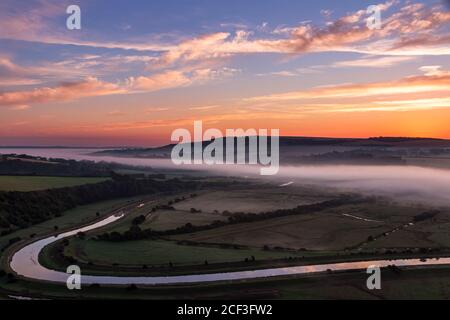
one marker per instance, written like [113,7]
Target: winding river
[25,263]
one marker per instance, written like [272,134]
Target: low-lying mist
[402,183]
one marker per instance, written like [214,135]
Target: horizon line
[168,144]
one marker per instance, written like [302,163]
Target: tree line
[23,209]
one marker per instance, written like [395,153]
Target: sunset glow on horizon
[137,71]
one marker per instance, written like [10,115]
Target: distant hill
[306,150]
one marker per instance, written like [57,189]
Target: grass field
[144,208]
[318,231]
[160,252]
[433,233]
[33,183]
[330,229]
[259,198]
[346,227]
[167,219]
[323,232]
[71,218]
[255,199]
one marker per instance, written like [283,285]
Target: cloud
[93,87]
[157,110]
[284,73]
[157,82]
[234,25]
[426,91]
[326,13]
[116,113]
[65,92]
[203,47]
[13,75]
[412,29]
[204,107]
[365,62]
[432,70]
[34,21]
[424,83]
[374,62]
[21,107]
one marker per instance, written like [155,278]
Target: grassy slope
[32,183]
[71,218]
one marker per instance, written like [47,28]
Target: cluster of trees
[23,209]
[136,233]
[426,215]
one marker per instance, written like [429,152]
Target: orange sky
[328,75]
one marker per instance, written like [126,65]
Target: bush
[138,220]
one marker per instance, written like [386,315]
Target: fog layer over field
[407,183]
[410,183]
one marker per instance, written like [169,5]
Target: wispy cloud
[414,92]
[414,29]
[92,87]
[374,62]
[204,107]
[65,92]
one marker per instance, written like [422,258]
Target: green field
[33,183]
[160,252]
[167,220]
[212,204]
[71,218]
[255,199]
[330,229]
[346,227]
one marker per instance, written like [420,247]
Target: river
[25,262]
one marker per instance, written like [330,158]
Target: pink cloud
[65,92]
[92,87]
[410,93]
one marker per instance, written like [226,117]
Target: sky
[137,70]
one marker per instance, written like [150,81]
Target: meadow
[372,226]
[34,183]
[161,252]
